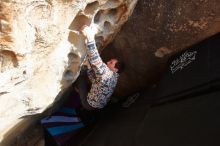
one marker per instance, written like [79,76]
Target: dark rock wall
[157,29]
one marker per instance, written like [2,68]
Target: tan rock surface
[41,49]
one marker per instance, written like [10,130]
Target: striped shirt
[103,79]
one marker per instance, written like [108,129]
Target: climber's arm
[98,66]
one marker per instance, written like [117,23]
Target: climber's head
[115,65]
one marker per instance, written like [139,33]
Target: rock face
[41,49]
[157,29]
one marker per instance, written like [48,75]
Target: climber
[77,113]
[103,76]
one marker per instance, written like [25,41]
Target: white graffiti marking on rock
[181,62]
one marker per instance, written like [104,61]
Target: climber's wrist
[90,39]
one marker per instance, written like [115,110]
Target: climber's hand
[88,32]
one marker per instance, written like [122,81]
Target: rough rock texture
[41,49]
[156,29]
